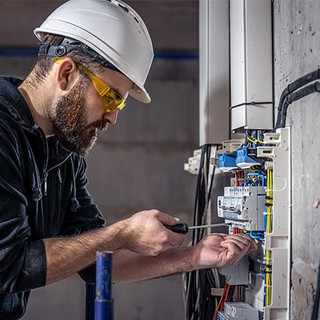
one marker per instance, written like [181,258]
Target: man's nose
[111,116]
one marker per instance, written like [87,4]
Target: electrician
[92,55]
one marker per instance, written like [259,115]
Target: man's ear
[67,74]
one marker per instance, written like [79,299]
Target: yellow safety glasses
[111,100]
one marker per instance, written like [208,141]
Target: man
[93,54]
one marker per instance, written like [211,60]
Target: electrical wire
[267,274]
[297,84]
[222,300]
[295,96]
[200,304]
[315,309]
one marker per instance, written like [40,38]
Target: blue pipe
[33,52]
[103,309]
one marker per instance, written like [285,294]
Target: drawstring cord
[74,201]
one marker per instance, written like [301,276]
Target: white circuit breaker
[243,207]
[239,311]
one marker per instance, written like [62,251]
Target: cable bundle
[291,94]
[315,309]
[200,304]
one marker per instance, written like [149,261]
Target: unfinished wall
[138,163]
[297,48]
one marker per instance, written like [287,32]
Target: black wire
[206,302]
[315,309]
[295,96]
[312,76]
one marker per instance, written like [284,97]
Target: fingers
[241,236]
[235,251]
[171,239]
[236,245]
[166,219]
[175,239]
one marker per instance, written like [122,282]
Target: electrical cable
[315,309]
[295,96]
[200,304]
[312,76]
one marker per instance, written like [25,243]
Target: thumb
[166,219]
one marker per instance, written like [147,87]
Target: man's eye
[108,99]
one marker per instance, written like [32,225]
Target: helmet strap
[69,45]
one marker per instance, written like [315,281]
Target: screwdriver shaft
[211,226]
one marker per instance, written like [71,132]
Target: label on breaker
[244,204]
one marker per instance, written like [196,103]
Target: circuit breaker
[243,207]
[238,311]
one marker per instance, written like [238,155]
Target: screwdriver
[183,227]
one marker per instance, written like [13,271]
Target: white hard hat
[112,29]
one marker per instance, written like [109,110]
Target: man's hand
[220,250]
[145,233]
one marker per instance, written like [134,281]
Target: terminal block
[246,158]
[243,207]
[238,311]
[227,162]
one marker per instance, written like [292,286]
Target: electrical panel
[257,202]
[259,205]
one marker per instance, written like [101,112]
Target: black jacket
[42,195]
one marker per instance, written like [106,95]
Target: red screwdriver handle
[179,228]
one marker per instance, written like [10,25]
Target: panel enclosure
[214,71]
[251,64]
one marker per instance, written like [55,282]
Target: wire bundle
[315,309]
[228,292]
[268,226]
[200,304]
[291,94]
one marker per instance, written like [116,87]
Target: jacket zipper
[59,176]
[47,172]
[45,183]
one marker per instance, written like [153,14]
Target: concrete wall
[297,48]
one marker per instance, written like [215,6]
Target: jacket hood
[16,106]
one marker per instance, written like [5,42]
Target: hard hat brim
[140,93]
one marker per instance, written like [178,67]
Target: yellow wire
[269,230]
[254,140]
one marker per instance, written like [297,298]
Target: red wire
[226,297]
[220,301]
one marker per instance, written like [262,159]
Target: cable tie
[253,103]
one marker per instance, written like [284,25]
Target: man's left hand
[220,250]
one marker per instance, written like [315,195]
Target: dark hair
[43,63]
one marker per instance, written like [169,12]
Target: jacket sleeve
[22,261]
[85,216]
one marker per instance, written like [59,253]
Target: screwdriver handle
[179,228]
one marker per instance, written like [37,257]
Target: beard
[70,121]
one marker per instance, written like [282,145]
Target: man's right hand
[144,233]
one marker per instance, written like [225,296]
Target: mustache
[100,125]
